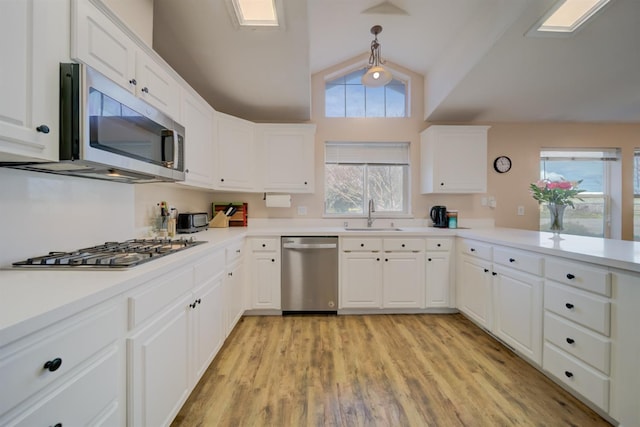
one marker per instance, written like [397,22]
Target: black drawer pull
[362,245]
[133,82]
[570,276]
[403,245]
[58,425]
[512,260]
[377,259]
[494,273]
[438,245]
[53,365]
[570,340]
[43,129]
[264,245]
[428,259]
[568,374]
[486,270]
[472,250]
[569,306]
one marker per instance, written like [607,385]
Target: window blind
[381,153]
[606,154]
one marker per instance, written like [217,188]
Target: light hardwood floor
[382,370]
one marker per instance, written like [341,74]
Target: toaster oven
[192,222]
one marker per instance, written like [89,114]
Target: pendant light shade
[376,75]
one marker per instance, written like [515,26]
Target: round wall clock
[502,164]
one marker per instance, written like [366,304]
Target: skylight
[253,13]
[568,15]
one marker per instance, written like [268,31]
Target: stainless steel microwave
[106,132]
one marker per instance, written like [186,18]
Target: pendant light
[376,75]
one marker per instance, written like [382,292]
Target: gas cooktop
[111,255]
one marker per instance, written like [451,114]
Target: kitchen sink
[374,229]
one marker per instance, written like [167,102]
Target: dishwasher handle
[309,245]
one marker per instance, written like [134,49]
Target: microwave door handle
[176,147]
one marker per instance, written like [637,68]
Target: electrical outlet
[520,210]
[302,210]
[492,202]
[483,201]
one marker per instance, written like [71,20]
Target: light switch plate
[302,210]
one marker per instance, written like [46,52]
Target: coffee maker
[438,215]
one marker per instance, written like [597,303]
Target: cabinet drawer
[364,244]
[81,401]
[473,248]
[23,371]
[234,252]
[265,244]
[579,275]
[143,305]
[523,261]
[579,342]
[209,267]
[439,244]
[403,244]
[585,309]
[580,377]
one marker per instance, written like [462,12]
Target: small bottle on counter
[452,219]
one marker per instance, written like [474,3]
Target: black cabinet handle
[237,251]
[493,273]
[145,89]
[570,276]
[58,425]
[428,259]
[362,245]
[133,82]
[442,183]
[43,129]
[569,305]
[305,183]
[53,365]
[438,245]
[403,245]
[570,340]
[377,259]
[221,179]
[199,301]
[192,305]
[486,270]
[472,250]
[569,374]
[186,171]
[386,259]
[512,260]
[230,274]
[264,245]
[273,260]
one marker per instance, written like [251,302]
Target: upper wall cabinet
[453,159]
[34,39]
[233,153]
[286,157]
[103,44]
[197,117]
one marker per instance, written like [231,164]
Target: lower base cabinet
[474,292]
[403,280]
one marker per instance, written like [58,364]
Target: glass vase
[556,213]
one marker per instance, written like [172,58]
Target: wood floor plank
[379,370]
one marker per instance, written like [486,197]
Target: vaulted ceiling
[478,63]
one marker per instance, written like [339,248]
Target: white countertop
[33,298]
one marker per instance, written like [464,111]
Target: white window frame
[374,161]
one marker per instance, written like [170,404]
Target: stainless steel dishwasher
[309,274]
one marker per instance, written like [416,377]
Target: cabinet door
[100,43]
[197,117]
[34,39]
[403,279]
[156,86]
[234,296]
[158,362]
[208,325]
[454,159]
[438,277]
[234,153]
[361,280]
[265,280]
[518,311]
[474,290]
[287,157]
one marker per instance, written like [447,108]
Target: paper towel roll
[278,200]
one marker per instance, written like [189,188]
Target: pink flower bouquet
[558,192]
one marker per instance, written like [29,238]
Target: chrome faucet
[372,208]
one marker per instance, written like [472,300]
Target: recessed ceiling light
[261,13]
[568,15]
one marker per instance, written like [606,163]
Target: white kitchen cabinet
[474,282]
[438,273]
[361,280]
[234,153]
[104,43]
[233,285]
[403,280]
[518,311]
[177,328]
[34,39]
[265,273]
[286,157]
[197,117]
[46,375]
[453,159]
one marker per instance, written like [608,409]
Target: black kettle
[438,215]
